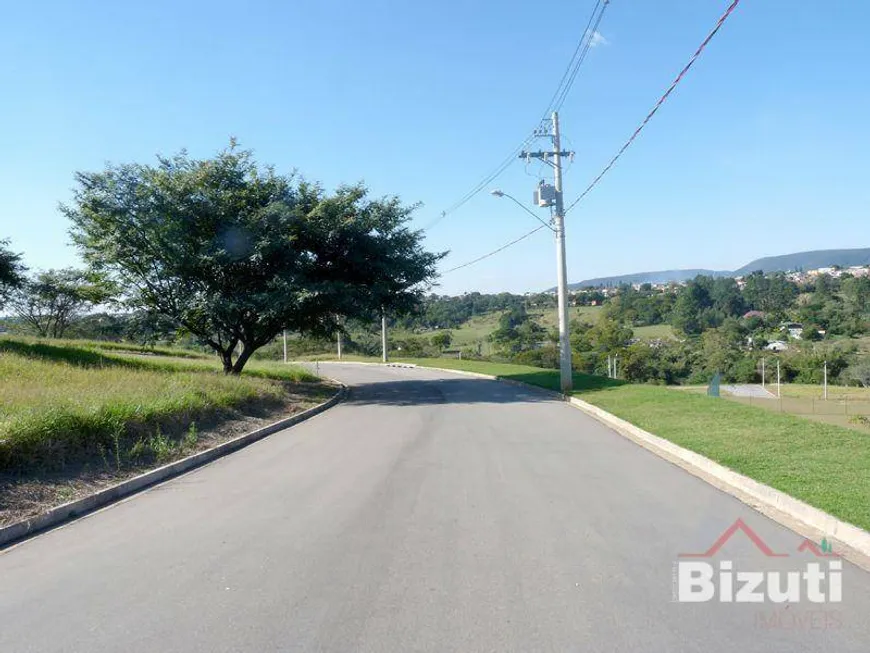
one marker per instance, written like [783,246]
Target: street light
[500,193]
[557,227]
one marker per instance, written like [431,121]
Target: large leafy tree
[234,252]
[11,272]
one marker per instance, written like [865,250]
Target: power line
[586,41]
[658,104]
[483,183]
[496,251]
[569,67]
[595,181]
[562,90]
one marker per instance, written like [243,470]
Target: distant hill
[785,263]
[661,276]
[821,258]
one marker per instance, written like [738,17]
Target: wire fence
[810,405]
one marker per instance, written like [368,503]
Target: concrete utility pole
[778,392]
[762,372]
[339,345]
[384,336]
[566,375]
[285,345]
[826,380]
[567,380]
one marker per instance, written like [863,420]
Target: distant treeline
[834,306]
[445,312]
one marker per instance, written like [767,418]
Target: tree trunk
[227,360]
[242,359]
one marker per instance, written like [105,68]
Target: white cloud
[597,39]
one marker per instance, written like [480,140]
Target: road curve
[428,512]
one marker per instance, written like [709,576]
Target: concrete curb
[20,530]
[779,506]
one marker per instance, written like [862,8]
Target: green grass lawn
[825,465]
[549,318]
[62,401]
[473,331]
[654,332]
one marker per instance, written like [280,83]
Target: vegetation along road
[427,512]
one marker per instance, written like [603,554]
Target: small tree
[860,372]
[442,340]
[11,272]
[49,302]
[810,333]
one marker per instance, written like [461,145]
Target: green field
[825,465]
[478,328]
[63,402]
[473,331]
[654,332]
[549,318]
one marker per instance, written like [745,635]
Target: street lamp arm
[500,193]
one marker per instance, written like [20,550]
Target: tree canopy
[50,301]
[235,252]
[11,272]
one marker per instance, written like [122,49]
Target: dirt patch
[27,495]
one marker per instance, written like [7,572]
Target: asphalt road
[429,512]
[748,390]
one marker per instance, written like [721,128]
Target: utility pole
[566,374]
[762,372]
[285,344]
[383,336]
[778,391]
[826,380]
[339,345]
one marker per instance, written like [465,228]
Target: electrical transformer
[545,195]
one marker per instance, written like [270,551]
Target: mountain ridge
[808,260]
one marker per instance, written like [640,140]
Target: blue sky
[762,150]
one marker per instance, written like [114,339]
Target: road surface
[429,512]
[748,390]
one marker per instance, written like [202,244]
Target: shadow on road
[442,391]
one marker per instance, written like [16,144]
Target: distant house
[749,314]
[832,271]
[795,329]
[777,345]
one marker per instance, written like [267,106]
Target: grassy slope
[826,466]
[58,401]
[473,331]
[478,328]
[653,332]
[549,319]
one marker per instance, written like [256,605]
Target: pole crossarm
[546,157]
